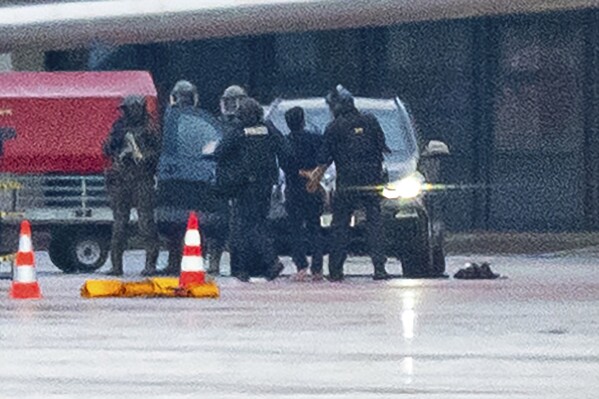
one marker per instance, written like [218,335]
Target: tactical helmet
[133,101]
[134,108]
[229,101]
[295,118]
[184,93]
[249,112]
[339,96]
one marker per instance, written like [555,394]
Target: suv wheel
[417,258]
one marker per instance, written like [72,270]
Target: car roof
[360,102]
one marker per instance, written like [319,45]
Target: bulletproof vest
[258,155]
[135,150]
[361,141]
[360,158]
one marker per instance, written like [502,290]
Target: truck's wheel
[88,252]
[59,252]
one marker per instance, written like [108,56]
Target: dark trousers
[344,203]
[174,234]
[304,212]
[126,194]
[251,243]
[213,231]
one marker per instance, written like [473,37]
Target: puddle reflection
[408,314]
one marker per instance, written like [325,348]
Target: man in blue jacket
[187,173]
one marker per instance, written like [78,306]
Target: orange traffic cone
[24,283]
[192,264]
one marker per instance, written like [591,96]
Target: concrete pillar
[28,60]
[5,62]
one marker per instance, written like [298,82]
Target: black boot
[114,272]
[116,257]
[244,277]
[381,274]
[335,276]
[151,260]
[275,271]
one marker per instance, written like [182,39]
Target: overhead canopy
[61,25]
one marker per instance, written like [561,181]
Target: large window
[538,168]
[539,103]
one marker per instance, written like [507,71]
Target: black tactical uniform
[247,170]
[229,103]
[356,143]
[133,147]
[303,208]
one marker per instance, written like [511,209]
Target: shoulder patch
[255,131]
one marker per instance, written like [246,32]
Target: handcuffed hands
[314,176]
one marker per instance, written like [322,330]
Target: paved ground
[533,335]
[485,242]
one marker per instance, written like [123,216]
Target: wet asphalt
[534,334]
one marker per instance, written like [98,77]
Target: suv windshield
[392,116]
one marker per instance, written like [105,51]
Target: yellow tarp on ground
[154,287]
[138,288]
[102,288]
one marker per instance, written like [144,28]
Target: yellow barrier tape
[155,287]
[10,185]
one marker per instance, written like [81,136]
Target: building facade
[515,97]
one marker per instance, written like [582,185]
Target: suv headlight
[407,188]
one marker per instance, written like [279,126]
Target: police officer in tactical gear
[247,170]
[186,173]
[229,102]
[133,147]
[184,94]
[356,143]
[303,208]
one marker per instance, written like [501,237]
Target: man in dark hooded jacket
[303,208]
[247,170]
[133,147]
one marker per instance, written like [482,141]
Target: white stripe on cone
[25,274]
[192,238]
[192,264]
[25,244]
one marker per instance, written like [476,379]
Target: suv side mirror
[430,160]
[434,149]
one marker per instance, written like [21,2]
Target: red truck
[52,126]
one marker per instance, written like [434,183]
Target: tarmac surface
[534,334]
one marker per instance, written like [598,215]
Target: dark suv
[411,213]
